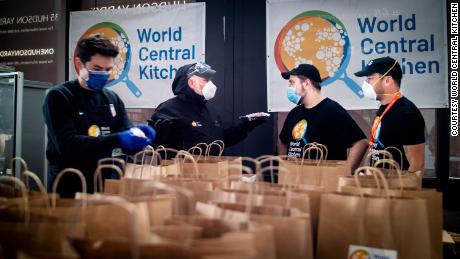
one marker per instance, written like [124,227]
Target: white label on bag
[358,252]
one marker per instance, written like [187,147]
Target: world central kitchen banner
[153,43]
[340,37]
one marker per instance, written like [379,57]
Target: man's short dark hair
[95,44]
[315,84]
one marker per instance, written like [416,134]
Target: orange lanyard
[379,119]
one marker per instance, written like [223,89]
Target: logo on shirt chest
[196,124]
[94,131]
[300,129]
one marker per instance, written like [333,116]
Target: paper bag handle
[376,179]
[58,178]
[400,154]
[192,151]
[143,153]
[18,182]
[318,158]
[285,171]
[186,155]
[200,145]
[155,156]
[98,176]
[269,158]
[371,170]
[166,150]
[385,154]
[219,143]
[297,175]
[113,161]
[24,166]
[316,144]
[397,169]
[38,182]
[257,166]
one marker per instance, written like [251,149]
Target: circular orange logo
[312,37]
[94,131]
[359,254]
[299,130]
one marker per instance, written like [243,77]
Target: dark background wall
[235,46]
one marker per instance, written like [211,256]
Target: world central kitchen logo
[329,51]
[319,38]
[160,51]
[403,40]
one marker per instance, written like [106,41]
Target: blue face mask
[97,79]
[292,96]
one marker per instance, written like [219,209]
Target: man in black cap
[398,122]
[186,120]
[318,119]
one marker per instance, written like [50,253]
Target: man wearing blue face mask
[318,119]
[87,122]
[398,122]
[186,120]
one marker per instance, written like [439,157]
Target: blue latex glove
[131,142]
[148,131]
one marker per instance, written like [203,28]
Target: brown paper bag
[394,176]
[399,224]
[109,249]
[223,238]
[38,237]
[293,224]
[302,192]
[433,201]
[324,173]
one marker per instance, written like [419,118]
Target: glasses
[198,68]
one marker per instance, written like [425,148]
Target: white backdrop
[154,42]
[413,32]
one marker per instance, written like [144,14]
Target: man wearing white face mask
[186,120]
[85,121]
[318,119]
[398,122]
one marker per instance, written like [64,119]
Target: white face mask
[209,90]
[368,91]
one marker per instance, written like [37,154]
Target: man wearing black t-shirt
[318,119]
[398,122]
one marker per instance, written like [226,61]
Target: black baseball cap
[306,70]
[202,70]
[385,65]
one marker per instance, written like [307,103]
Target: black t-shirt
[402,125]
[327,123]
